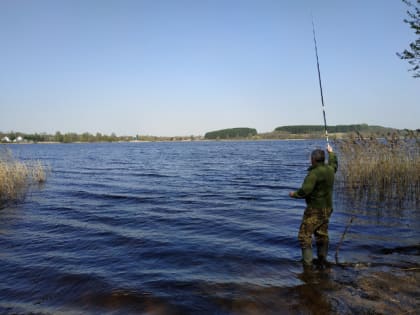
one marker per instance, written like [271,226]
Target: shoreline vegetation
[380,172]
[16,177]
[294,132]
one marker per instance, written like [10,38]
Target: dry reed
[380,171]
[16,177]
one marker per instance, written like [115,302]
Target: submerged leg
[306,231]
[322,243]
[307,256]
[322,251]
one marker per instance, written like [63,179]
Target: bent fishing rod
[320,84]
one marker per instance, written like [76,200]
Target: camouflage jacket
[317,188]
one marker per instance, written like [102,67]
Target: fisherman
[317,190]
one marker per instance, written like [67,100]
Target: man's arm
[307,187]
[332,158]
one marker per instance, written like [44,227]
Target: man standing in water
[317,190]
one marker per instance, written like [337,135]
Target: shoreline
[148,141]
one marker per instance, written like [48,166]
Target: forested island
[232,133]
[305,129]
[243,133]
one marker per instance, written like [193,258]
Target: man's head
[318,156]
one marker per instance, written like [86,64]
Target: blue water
[174,228]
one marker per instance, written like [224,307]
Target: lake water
[176,228]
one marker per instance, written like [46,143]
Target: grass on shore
[16,177]
[381,171]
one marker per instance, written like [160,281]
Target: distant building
[5,139]
[19,139]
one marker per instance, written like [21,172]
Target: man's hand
[329,148]
[291,193]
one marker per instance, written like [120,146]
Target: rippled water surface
[174,228]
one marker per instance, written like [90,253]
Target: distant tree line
[283,132]
[88,137]
[72,137]
[65,137]
[231,133]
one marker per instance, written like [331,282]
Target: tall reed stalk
[380,171]
[16,177]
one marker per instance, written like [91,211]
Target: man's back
[317,188]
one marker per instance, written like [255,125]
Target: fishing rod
[326,134]
[320,84]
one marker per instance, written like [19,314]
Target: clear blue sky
[185,67]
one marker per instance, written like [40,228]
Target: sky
[186,67]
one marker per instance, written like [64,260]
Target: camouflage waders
[314,222]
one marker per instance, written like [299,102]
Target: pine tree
[413,53]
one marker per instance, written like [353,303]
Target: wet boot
[322,251]
[307,257]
